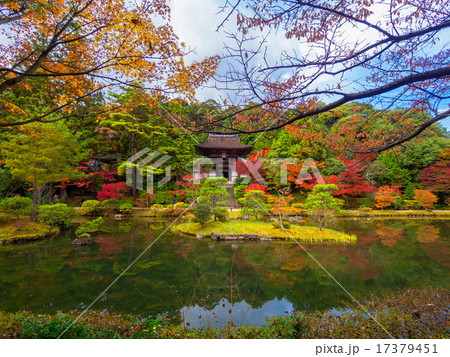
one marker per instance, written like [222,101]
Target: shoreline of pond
[166,212]
[409,313]
[26,236]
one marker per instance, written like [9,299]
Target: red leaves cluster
[256,187]
[437,177]
[242,169]
[350,183]
[93,177]
[113,190]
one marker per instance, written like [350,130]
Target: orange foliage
[389,236]
[427,234]
[73,43]
[386,196]
[425,198]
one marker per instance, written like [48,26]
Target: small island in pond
[264,231]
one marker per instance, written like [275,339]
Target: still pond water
[212,283]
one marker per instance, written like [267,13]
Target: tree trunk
[39,194]
[50,192]
[33,209]
[63,194]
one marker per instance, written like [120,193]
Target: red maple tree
[437,177]
[113,190]
[352,182]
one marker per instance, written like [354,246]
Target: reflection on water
[237,313]
[199,282]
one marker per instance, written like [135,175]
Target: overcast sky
[196,22]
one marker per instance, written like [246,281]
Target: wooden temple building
[226,148]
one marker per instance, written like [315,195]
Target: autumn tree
[113,191]
[436,177]
[280,203]
[85,46]
[387,196]
[388,52]
[425,199]
[352,183]
[187,188]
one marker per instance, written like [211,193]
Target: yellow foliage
[118,41]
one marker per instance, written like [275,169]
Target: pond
[201,282]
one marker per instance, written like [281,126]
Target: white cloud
[196,22]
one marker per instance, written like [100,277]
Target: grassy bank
[24,232]
[302,233]
[412,313]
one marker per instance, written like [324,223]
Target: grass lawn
[301,233]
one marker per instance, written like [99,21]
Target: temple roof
[228,143]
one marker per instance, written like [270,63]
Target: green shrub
[367,202]
[298,205]
[221,213]
[286,224]
[90,206]
[409,204]
[116,204]
[57,215]
[238,181]
[157,205]
[254,204]
[322,206]
[90,227]
[163,197]
[341,202]
[126,208]
[239,191]
[113,203]
[202,212]
[16,206]
[181,205]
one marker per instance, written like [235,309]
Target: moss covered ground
[301,233]
[24,232]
